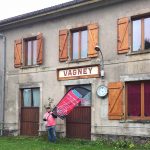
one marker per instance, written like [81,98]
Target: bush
[147,145]
[121,144]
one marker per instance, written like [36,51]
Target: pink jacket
[50,120]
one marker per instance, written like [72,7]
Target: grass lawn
[41,143]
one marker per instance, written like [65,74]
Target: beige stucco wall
[117,67]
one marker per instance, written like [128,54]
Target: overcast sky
[11,8]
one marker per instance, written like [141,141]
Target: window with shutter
[82,42]
[31,49]
[123,35]
[115,98]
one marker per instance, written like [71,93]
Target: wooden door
[29,122]
[78,122]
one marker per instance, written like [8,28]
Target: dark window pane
[84,42]
[85,91]
[86,100]
[147,33]
[136,35]
[27,98]
[34,52]
[75,45]
[134,99]
[29,53]
[147,98]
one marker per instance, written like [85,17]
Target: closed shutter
[115,98]
[63,45]
[39,49]
[92,39]
[123,35]
[18,53]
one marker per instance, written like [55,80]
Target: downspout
[3,80]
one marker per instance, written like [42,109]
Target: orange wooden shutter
[123,35]
[18,53]
[39,48]
[63,45]
[115,98]
[92,39]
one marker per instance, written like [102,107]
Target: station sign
[72,73]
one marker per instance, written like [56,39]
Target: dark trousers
[51,133]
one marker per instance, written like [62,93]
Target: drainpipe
[3,57]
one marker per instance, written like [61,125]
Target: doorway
[78,122]
[30,102]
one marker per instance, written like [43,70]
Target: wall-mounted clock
[102,91]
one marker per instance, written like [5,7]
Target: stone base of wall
[42,133]
[109,137]
[7,132]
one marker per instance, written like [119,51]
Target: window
[138,102]
[86,91]
[79,44]
[31,97]
[28,51]
[140,34]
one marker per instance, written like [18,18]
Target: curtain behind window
[27,97]
[134,99]
[147,98]
[36,98]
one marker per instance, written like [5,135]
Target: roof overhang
[57,11]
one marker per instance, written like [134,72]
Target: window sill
[27,67]
[138,52]
[136,121]
[78,60]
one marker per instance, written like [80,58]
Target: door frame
[82,86]
[24,86]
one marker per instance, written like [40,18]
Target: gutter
[3,80]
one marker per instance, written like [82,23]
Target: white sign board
[78,72]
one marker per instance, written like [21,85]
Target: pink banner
[67,103]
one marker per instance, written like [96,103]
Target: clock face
[102,91]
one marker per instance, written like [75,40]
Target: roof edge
[53,12]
